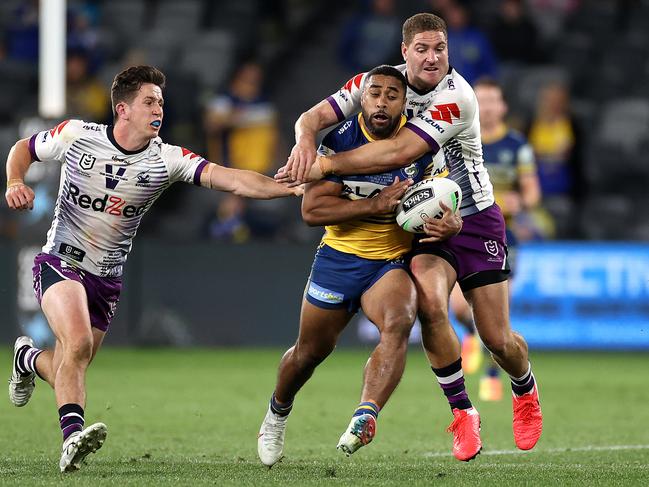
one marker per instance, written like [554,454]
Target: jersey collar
[111,137]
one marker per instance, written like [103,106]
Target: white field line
[550,450]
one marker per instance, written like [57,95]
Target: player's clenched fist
[19,196]
[390,196]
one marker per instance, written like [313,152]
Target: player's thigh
[490,305]
[434,278]
[65,305]
[391,300]
[320,327]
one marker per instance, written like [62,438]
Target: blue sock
[280,408]
[368,407]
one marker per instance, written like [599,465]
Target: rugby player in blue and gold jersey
[358,264]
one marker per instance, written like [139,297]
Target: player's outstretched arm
[322,204]
[303,153]
[19,196]
[379,156]
[249,184]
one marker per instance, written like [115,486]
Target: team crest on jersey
[87,161]
[411,171]
[143,179]
[492,247]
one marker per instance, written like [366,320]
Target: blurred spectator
[371,37]
[469,50]
[242,132]
[22,32]
[86,97]
[550,15]
[241,124]
[83,35]
[512,169]
[554,137]
[514,35]
[227,222]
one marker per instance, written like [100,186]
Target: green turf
[190,417]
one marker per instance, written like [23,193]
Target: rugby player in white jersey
[443,115]
[110,177]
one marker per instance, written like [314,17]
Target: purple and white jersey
[105,190]
[446,117]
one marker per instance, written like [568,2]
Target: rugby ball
[422,201]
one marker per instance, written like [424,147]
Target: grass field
[190,417]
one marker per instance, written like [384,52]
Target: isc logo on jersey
[113,205]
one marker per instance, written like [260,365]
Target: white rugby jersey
[105,190]
[446,117]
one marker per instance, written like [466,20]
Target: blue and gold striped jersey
[379,236]
[507,156]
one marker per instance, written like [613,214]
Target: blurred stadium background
[209,269]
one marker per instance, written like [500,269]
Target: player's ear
[121,109]
[404,49]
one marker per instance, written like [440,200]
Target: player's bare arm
[379,156]
[442,228]
[303,154]
[19,196]
[249,184]
[322,204]
[530,190]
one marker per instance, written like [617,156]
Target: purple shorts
[103,292]
[478,253]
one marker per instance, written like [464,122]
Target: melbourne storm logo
[143,179]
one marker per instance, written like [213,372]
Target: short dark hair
[423,22]
[128,82]
[391,71]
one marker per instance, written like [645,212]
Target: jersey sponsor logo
[87,161]
[118,159]
[325,295]
[111,204]
[113,178]
[344,127]
[450,84]
[360,189]
[72,252]
[431,122]
[94,128]
[445,112]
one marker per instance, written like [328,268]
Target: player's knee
[498,343]
[312,356]
[79,349]
[398,325]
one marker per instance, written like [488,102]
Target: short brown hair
[423,22]
[127,83]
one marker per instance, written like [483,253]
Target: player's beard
[381,132]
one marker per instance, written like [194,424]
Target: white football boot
[79,445]
[270,441]
[359,433]
[21,387]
